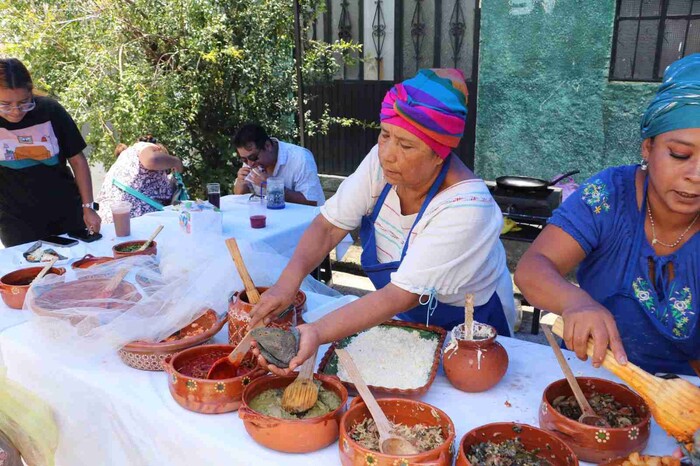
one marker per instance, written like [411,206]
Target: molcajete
[474,365]
[14,285]
[292,435]
[239,308]
[189,387]
[596,444]
[399,411]
[547,446]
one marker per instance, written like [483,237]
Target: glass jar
[275,193]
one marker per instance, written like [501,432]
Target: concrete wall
[545,102]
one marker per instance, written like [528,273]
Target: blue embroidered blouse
[650,296]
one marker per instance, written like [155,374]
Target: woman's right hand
[309,341]
[272,302]
[591,320]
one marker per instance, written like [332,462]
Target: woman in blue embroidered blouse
[633,230]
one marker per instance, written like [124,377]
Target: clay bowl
[550,447]
[292,435]
[150,250]
[14,285]
[239,308]
[198,394]
[148,356]
[400,411]
[596,444]
[88,260]
[621,461]
[9,454]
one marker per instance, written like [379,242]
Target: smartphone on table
[84,235]
[59,241]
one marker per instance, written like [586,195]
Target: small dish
[329,363]
[118,251]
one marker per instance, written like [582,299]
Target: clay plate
[329,363]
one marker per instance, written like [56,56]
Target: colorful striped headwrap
[677,102]
[432,105]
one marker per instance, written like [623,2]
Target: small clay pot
[149,251]
[88,260]
[147,356]
[596,444]
[239,308]
[474,365]
[292,435]
[202,395]
[549,447]
[14,285]
[399,411]
[9,454]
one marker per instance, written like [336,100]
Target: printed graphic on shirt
[27,147]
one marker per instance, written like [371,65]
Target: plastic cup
[257,213]
[214,194]
[121,214]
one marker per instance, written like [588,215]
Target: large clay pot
[596,444]
[239,308]
[200,394]
[14,285]
[548,446]
[400,411]
[151,250]
[88,260]
[474,365]
[148,356]
[292,435]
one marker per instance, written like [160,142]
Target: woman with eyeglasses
[429,227]
[39,196]
[633,233]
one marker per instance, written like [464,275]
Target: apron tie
[431,302]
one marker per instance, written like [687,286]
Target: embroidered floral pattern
[645,296]
[633,433]
[677,312]
[595,194]
[602,436]
[680,308]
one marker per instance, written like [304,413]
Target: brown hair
[14,75]
[119,149]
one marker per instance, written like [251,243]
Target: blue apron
[647,342]
[430,310]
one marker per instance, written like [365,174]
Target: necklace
[654,240]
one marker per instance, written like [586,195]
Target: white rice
[391,357]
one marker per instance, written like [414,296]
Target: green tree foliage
[187,71]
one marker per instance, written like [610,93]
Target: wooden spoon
[44,271]
[389,443]
[674,403]
[302,394]
[588,416]
[227,367]
[469,317]
[145,245]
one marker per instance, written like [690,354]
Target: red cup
[258,221]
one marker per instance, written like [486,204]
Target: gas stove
[531,209]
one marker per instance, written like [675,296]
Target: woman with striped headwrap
[429,228]
[633,230]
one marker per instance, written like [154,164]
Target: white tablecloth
[114,415]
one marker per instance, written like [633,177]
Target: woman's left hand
[309,341]
[92,220]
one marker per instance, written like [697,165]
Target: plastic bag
[28,422]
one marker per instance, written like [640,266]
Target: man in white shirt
[264,157]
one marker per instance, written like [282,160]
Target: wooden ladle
[389,442]
[227,367]
[44,271]
[588,416]
[674,403]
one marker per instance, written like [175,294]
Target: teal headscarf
[677,102]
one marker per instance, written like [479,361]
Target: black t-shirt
[36,185]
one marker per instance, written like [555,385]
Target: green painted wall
[545,103]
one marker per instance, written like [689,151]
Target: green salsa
[130,247]
[269,403]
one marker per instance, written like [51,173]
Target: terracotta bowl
[239,306]
[14,285]
[400,411]
[147,356]
[88,260]
[295,435]
[550,447]
[9,454]
[150,250]
[596,444]
[620,461]
[202,395]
